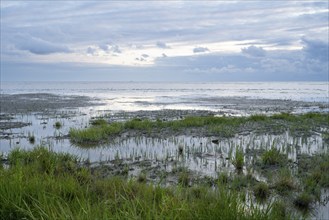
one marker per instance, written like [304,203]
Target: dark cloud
[142,58]
[200,49]
[38,46]
[316,49]
[91,50]
[162,45]
[254,51]
[276,65]
[104,47]
[110,48]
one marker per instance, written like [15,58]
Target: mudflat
[40,102]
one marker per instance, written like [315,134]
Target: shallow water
[199,154]
[133,96]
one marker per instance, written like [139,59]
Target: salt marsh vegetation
[264,161]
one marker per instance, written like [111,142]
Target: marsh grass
[285,183]
[184,178]
[312,177]
[142,177]
[261,191]
[95,134]
[279,210]
[99,122]
[303,201]
[273,157]
[226,127]
[238,161]
[40,184]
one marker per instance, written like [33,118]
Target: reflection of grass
[221,126]
[43,185]
[325,137]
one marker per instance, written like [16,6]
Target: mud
[41,102]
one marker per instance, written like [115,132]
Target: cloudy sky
[164,40]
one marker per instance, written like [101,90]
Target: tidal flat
[271,163]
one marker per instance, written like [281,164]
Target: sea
[134,96]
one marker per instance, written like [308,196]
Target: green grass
[184,178]
[99,121]
[226,127]
[95,134]
[273,157]
[40,184]
[261,191]
[285,183]
[303,201]
[279,210]
[238,161]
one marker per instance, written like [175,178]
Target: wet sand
[11,105]
[41,102]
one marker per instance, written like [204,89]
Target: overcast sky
[164,40]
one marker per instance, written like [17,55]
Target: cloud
[254,51]
[162,45]
[91,50]
[316,49]
[73,30]
[200,50]
[38,46]
[110,48]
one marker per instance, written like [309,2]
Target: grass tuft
[273,157]
[285,182]
[303,201]
[238,161]
[261,191]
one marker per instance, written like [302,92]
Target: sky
[164,40]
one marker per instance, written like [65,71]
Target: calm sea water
[173,95]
